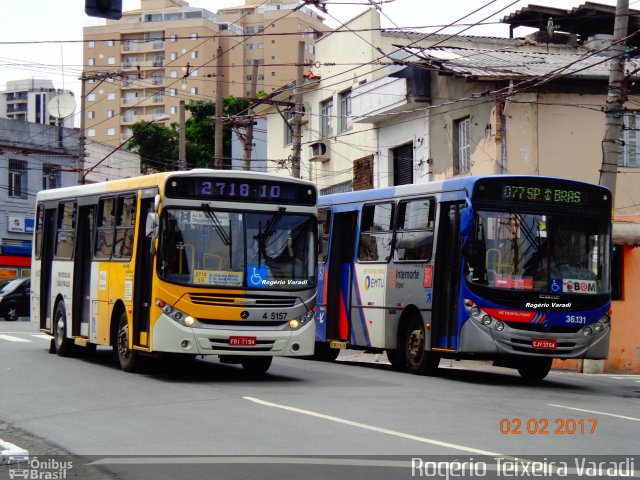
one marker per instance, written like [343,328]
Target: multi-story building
[28,100]
[141,66]
[272,30]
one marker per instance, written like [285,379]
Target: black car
[14,298]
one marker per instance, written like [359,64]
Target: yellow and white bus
[203,262]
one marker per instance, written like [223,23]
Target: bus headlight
[499,325]
[597,327]
[175,314]
[486,320]
[474,311]
[586,331]
[294,324]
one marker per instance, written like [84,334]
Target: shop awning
[626,231]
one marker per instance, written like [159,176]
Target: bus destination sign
[544,194]
[243,190]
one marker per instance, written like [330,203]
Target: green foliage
[158,145]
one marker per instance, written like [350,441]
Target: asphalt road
[302,419]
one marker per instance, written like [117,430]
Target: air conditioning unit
[319,151]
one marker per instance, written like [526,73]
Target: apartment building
[28,100]
[272,31]
[141,66]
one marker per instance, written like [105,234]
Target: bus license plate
[545,344]
[242,341]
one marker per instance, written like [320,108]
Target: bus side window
[414,238]
[324,226]
[65,235]
[104,228]
[125,227]
[376,233]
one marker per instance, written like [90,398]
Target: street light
[160,118]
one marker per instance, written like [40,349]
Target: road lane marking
[593,411]
[42,336]
[11,338]
[373,428]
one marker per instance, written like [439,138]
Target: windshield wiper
[270,228]
[216,224]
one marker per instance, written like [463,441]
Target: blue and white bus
[513,269]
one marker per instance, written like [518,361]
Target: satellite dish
[61,106]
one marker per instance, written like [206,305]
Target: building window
[194,90]
[194,73]
[111,43]
[194,36]
[91,44]
[17,178]
[462,144]
[91,62]
[251,30]
[288,130]
[111,60]
[402,164]
[260,76]
[173,38]
[249,46]
[111,132]
[91,132]
[631,138]
[91,97]
[173,56]
[326,114]
[50,176]
[346,123]
[260,28]
[111,96]
[173,110]
[194,54]
[91,114]
[273,74]
[110,113]
[174,74]
[173,92]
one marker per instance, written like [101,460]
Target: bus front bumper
[170,336]
[476,338]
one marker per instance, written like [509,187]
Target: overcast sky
[60,21]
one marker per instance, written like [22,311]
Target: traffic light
[104,8]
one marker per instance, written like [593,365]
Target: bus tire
[127,358]
[397,359]
[324,353]
[419,361]
[535,369]
[256,365]
[63,345]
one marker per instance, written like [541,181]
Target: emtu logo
[370,282]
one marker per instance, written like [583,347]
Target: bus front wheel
[63,345]
[535,369]
[126,356]
[419,361]
[256,365]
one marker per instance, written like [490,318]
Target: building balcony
[141,46]
[373,102]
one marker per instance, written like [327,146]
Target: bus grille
[243,301]
[537,327]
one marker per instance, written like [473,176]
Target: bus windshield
[213,248]
[541,253]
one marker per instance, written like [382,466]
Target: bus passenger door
[82,271]
[446,278]
[339,278]
[48,246]
[143,277]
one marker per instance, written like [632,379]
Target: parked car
[14,298]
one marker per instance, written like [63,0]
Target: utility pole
[614,112]
[248,139]
[297,119]
[218,150]
[182,141]
[82,138]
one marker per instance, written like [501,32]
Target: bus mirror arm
[151,227]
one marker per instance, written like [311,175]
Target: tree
[157,145]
